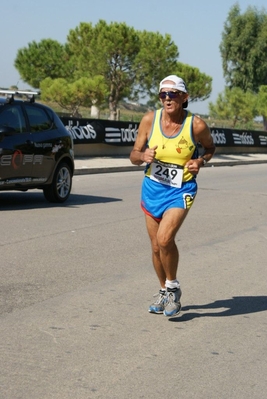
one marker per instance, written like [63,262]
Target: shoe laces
[160,299]
[171,297]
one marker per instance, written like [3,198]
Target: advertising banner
[238,138]
[90,131]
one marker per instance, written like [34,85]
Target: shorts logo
[188,200]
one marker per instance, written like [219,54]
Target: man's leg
[167,230]
[159,304]
[152,229]
[169,255]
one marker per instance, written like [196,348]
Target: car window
[38,118]
[13,117]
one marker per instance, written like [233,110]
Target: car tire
[60,188]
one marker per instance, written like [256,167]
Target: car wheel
[60,188]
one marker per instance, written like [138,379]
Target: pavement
[110,164]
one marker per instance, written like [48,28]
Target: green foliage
[71,96]
[109,51]
[199,85]
[41,60]
[262,101]
[235,105]
[244,49]
[130,62]
[262,104]
[244,58]
[156,58]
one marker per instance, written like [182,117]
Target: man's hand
[150,154]
[194,165]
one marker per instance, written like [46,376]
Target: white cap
[178,83]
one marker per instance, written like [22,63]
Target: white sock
[172,284]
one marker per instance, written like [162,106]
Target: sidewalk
[93,165]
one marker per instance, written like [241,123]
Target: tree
[152,68]
[262,104]
[235,105]
[130,62]
[156,58]
[199,84]
[244,49]
[244,58]
[71,96]
[41,60]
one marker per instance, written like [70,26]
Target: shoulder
[147,122]
[202,133]
[144,130]
[198,121]
[199,125]
[148,117]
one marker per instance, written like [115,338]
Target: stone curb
[133,168]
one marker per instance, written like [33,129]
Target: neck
[176,118]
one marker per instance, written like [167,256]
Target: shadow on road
[35,200]
[224,308]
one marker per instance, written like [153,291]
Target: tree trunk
[95,112]
[112,111]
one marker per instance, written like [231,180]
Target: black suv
[36,150]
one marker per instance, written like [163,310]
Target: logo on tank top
[183,145]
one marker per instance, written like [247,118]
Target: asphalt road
[77,280]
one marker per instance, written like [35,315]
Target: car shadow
[34,200]
[240,305]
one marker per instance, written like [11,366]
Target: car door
[44,139]
[15,147]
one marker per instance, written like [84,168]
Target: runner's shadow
[228,307]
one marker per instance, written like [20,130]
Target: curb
[234,163]
[115,169]
[112,169]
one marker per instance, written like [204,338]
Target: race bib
[167,173]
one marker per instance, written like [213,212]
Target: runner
[167,142]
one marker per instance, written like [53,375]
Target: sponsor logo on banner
[121,135]
[79,132]
[125,133]
[263,140]
[243,138]
[218,137]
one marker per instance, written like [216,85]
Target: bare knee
[155,247]
[166,243]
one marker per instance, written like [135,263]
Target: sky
[195,26]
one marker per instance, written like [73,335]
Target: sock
[172,284]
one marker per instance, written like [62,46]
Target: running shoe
[172,304]
[158,305]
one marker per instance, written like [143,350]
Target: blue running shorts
[157,198]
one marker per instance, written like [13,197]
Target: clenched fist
[150,154]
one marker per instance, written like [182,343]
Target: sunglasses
[170,94]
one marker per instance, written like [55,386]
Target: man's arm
[202,135]
[140,152]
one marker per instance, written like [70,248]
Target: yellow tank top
[178,149]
